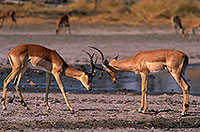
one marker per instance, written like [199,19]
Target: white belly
[38,68]
[161,72]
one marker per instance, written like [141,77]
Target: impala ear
[115,58]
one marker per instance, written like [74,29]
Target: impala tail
[185,63]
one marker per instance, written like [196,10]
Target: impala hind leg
[7,81]
[185,88]
[60,84]
[48,80]
[144,85]
[69,28]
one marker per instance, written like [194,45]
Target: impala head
[107,66]
[87,77]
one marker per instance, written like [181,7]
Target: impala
[191,28]
[8,13]
[176,22]
[38,57]
[146,62]
[63,22]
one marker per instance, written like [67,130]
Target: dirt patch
[99,112]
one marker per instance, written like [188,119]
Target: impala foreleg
[191,32]
[144,84]
[145,97]
[16,85]
[48,80]
[64,28]
[67,25]
[195,35]
[57,29]
[60,84]
[14,20]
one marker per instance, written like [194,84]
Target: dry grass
[144,12]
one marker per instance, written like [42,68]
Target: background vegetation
[140,12]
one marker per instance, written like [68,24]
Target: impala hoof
[48,109]
[139,111]
[72,111]
[143,112]
[27,108]
[4,108]
[182,114]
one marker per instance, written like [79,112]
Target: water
[128,82]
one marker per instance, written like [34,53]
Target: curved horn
[102,56]
[93,65]
[91,60]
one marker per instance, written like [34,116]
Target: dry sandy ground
[98,112]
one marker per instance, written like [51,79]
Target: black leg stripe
[2,99]
[186,105]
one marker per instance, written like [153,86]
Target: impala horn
[104,61]
[93,65]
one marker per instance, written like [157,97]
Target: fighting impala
[5,14]
[147,62]
[38,57]
[176,22]
[63,23]
[190,28]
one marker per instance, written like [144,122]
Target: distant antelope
[176,22]
[190,28]
[8,13]
[63,22]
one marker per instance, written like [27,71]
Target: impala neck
[123,65]
[73,73]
